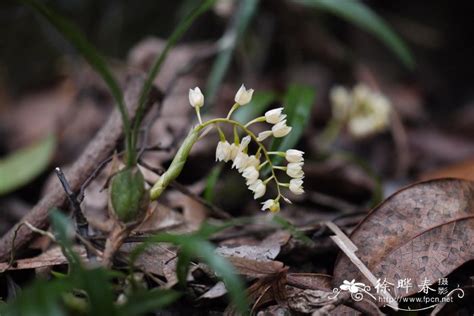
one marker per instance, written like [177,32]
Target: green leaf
[298,102]
[148,301]
[22,166]
[228,42]
[358,13]
[261,100]
[179,31]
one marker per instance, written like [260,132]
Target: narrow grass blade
[358,13]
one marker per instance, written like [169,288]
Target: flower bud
[196,98]
[128,197]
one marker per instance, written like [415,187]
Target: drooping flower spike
[240,151]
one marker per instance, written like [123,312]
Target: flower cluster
[366,111]
[252,166]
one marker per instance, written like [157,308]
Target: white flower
[250,174]
[243,96]
[272,205]
[274,116]
[240,161]
[296,186]
[233,151]
[295,170]
[196,98]
[223,151]
[366,111]
[293,155]
[264,135]
[244,143]
[258,188]
[341,103]
[370,115]
[281,129]
[252,161]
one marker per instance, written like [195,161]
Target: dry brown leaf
[254,268]
[270,288]
[310,281]
[307,301]
[51,257]
[422,231]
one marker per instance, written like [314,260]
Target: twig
[98,149]
[349,249]
[40,231]
[80,219]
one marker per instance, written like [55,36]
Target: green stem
[179,160]
[257,120]
[234,107]
[177,164]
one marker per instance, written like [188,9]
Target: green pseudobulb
[128,197]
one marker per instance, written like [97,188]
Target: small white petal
[264,135]
[258,188]
[286,200]
[244,142]
[266,205]
[243,96]
[196,98]
[272,205]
